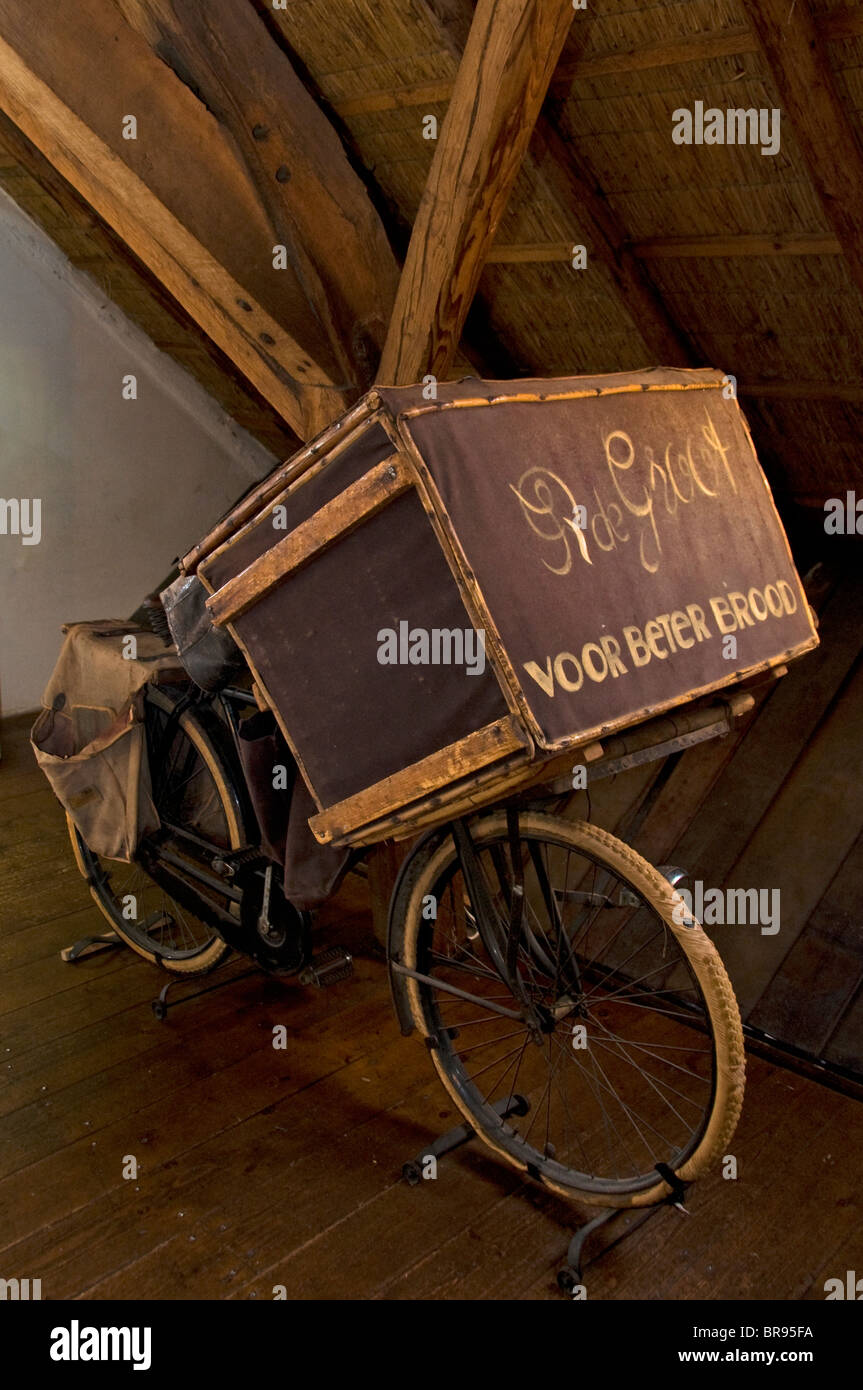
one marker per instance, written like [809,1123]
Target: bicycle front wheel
[619,1026]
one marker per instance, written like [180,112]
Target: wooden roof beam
[509,58]
[792,46]
[594,224]
[184,194]
[285,376]
[315,203]
[95,249]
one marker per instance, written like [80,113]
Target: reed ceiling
[747,258]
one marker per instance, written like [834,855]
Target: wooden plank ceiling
[280,175]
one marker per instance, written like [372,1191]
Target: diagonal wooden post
[509,58]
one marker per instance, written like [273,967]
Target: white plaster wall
[124,485]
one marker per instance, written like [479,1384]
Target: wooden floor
[259,1168]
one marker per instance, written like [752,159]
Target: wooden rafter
[792,47]
[180,195]
[593,221]
[94,249]
[315,203]
[504,74]
[187,269]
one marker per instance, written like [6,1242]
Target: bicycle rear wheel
[622,1031]
[192,788]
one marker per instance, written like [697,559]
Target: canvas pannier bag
[89,739]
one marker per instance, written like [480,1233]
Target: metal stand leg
[412,1171]
[161,1006]
[571,1275]
[92,944]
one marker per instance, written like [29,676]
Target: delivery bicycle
[599,540]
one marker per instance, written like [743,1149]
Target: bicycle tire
[436,860]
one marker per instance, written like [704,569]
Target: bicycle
[589,1039]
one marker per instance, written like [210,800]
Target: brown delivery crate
[439,597]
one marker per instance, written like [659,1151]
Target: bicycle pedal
[328,968]
[228,865]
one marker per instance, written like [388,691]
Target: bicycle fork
[502,953]
[501,936]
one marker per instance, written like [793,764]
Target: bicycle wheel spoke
[668,1047]
[628,1109]
[499,1082]
[480,969]
[565,1103]
[493,1063]
[621,965]
[632,983]
[466,1023]
[489,1042]
[654,1082]
[608,1120]
[621,1002]
[603,1108]
[641,1047]
[538,1107]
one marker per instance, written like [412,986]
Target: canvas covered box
[438,595]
